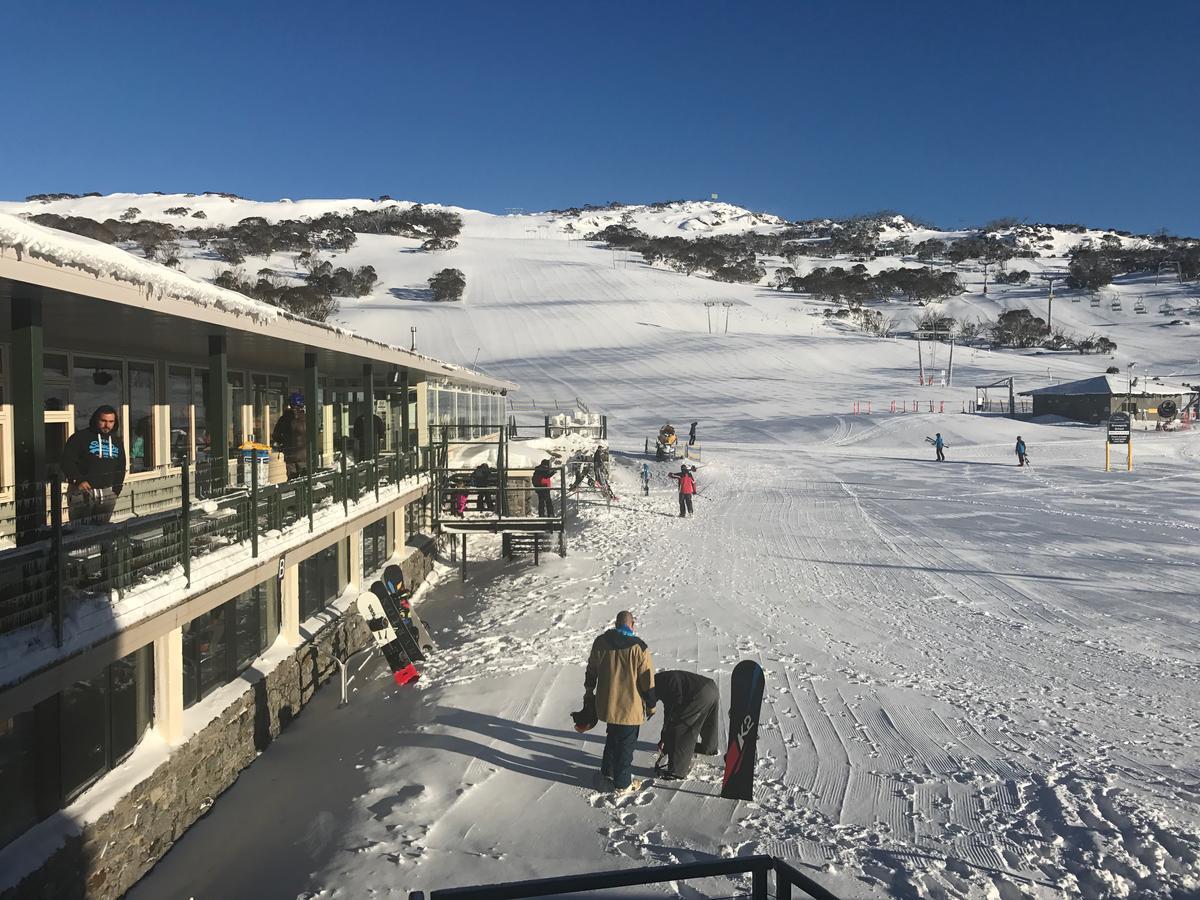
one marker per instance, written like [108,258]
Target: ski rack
[758,867]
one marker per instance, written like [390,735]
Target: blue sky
[952,112]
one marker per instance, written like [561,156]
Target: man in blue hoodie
[94,464]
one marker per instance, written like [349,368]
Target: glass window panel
[179,399]
[142,395]
[84,733]
[199,387]
[258,389]
[57,385]
[123,705]
[237,391]
[319,580]
[251,626]
[205,654]
[17,779]
[95,382]
[374,547]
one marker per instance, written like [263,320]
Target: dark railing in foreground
[759,868]
[73,560]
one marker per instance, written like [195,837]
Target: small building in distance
[1095,399]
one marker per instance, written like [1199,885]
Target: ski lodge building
[145,661]
[1095,399]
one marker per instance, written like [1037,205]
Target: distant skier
[939,445]
[646,479]
[687,487]
[1022,457]
[481,479]
[692,434]
[543,479]
[689,720]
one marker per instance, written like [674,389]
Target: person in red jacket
[543,480]
[687,486]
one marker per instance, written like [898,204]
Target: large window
[18,755]
[374,550]
[140,426]
[219,645]
[179,399]
[50,755]
[320,581]
[95,382]
[102,718]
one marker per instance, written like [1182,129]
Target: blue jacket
[938,442]
[1021,447]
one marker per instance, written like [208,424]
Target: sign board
[1118,428]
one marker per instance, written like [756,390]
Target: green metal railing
[88,557]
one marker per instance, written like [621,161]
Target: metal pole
[950,370]
[920,361]
[57,559]
[562,511]
[308,489]
[28,416]
[464,556]
[345,487]
[254,505]
[185,519]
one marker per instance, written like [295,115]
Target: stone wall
[113,852]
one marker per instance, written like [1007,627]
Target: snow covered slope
[982,680]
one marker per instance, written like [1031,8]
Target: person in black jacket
[543,480]
[291,436]
[94,464]
[689,719]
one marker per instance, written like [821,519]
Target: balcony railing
[87,557]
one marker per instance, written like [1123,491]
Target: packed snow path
[982,682]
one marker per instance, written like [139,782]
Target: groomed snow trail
[983,681]
[946,715]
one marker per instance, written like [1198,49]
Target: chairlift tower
[1169,267]
[1050,278]
[934,337]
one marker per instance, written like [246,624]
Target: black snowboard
[393,579]
[745,706]
[397,615]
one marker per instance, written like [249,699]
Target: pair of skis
[392,624]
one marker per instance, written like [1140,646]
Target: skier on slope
[687,487]
[1022,458]
[689,720]
[646,478]
[619,685]
[939,445]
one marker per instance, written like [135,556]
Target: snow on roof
[65,250]
[101,260]
[1112,386]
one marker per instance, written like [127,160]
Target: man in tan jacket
[621,674]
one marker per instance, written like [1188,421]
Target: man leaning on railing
[94,464]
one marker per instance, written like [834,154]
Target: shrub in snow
[130,214]
[448,285]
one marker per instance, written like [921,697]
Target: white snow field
[982,681]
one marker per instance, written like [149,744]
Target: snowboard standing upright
[745,706]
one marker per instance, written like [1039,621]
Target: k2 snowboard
[745,706]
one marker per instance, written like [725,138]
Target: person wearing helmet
[290,435]
[1022,458]
[687,487]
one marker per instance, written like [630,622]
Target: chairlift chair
[1095,303]
[1116,305]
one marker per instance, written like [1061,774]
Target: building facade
[149,654]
